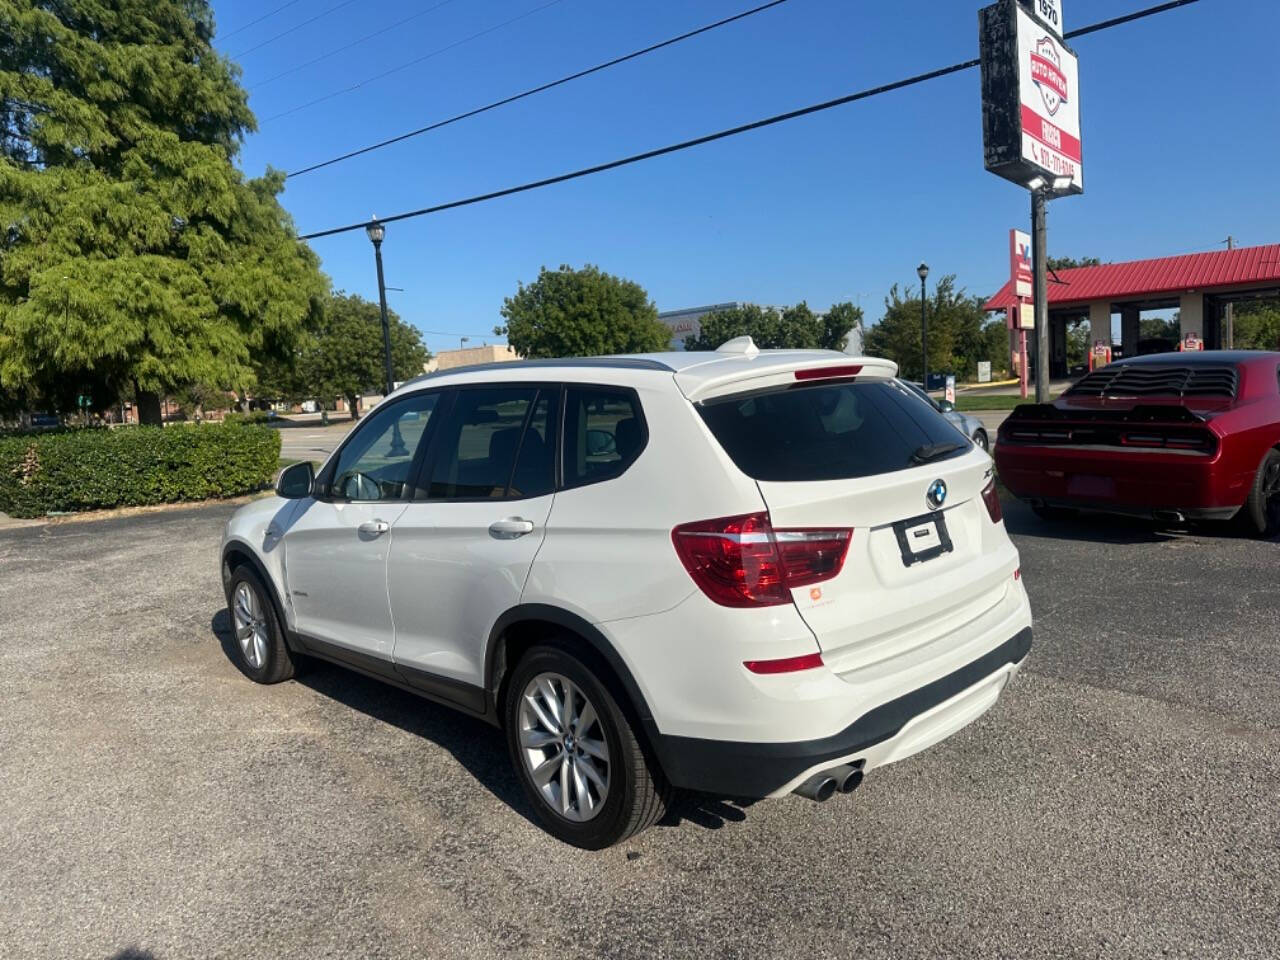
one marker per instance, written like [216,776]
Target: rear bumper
[1121,481]
[886,733]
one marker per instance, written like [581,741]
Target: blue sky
[1180,117]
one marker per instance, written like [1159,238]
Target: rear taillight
[743,562]
[811,556]
[992,499]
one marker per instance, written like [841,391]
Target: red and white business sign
[1049,88]
[1020,263]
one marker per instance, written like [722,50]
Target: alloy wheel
[250,624]
[1271,489]
[563,746]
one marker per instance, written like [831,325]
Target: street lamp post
[922,272]
[376,232]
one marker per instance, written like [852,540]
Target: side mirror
[946,406]
[295,481]
[600,442]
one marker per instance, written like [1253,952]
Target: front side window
[604,432]
[535,472]
[496,443]
[376,462]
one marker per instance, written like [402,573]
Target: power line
[731,132]
[348,46]
[269,13]
[540,89]
[410,63]
[285,33]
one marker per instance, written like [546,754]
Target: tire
[636,793]
[980,438]
[1046,512]
[1261,511]
[256,633]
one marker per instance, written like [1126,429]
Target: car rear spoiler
[767,370]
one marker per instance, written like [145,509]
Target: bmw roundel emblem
[936,495]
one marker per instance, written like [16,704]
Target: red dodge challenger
[1173,436]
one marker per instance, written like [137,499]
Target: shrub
[132,466]
[253,416]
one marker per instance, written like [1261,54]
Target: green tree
[1257,325]
[581,313]
[1152,328]
[134,254]
[345,356]
[836,324]
[996,347]
[1070,263]
[1078,344]
[959,333]
[792,328]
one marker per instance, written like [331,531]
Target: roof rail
[616,363]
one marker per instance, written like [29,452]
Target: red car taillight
[743,562]
[992,500]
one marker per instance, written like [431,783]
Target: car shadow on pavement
[1020,521]
[1117,529]
[479,747]
[476,745]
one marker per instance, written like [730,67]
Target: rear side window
[479,441]
[832,431]
[604,432]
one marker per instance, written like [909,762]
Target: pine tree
[134,255]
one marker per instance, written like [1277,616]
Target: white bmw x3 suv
[745,573]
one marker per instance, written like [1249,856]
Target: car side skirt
[447,691]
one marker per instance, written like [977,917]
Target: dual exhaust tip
[821,787]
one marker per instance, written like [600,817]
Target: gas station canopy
[1200,286]
[1165,278]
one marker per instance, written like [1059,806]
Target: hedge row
[132,466]
[253,416]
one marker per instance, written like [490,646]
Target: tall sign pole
[1021,314]
[1040,297]
[1031,130]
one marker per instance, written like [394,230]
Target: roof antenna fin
[743,346]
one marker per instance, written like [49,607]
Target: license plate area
[922,538]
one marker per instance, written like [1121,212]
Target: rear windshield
[832,431]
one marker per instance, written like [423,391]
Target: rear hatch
[927,562]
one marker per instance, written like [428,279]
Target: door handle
[374,528]
[511,528]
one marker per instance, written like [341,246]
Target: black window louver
[1136,380]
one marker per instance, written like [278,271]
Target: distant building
[684,323]
[469,357]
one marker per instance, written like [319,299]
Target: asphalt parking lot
[1120,800]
